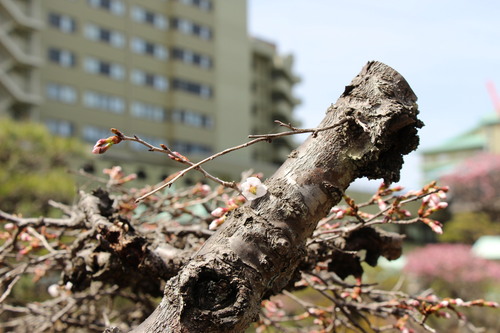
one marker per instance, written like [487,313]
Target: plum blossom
[253,188]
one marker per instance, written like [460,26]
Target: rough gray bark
[257,250]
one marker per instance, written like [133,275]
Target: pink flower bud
[9,226]
[25,237]
[216,223]
[102,145]
[218,212]
[434,225]
[340,214]
[205,190]
[444,303]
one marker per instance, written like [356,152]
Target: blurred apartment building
[180,72]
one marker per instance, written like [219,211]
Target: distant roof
[490,119]
[474,139]
[487,247]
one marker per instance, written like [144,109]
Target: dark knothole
[213,292]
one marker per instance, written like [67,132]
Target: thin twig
[256,138]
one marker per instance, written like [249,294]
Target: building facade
[179,72]
[272,99]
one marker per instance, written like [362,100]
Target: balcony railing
[22,19]
[16,53]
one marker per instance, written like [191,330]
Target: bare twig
[256,139]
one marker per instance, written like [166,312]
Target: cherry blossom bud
[434,225]
[205,190]
[217,223]
[253,188]
[218,212]
[53,290]
[444,303]
[102,145]
[9,226]
[413,303]
[382,205]
[339,212]
[25,237]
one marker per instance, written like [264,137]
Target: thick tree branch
[257,250]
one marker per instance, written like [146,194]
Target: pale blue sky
[446,49]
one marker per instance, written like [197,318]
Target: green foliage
[33,168]
[468,227]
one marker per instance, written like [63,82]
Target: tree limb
[258,248]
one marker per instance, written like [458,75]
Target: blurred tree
[33,168]
[475,185]
[467,227]
[452,270]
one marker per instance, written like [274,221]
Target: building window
[141,46]
[60,127]
[63,58]
[88,167]
[199,89]
[192,118]
[190,28]
[184,147]
[64,23]
[111,37]
[115,7]
[148,111]
[202,4]
[191,57]
[109,69]
[142,15]
[104,102]
[60,92]
[94,133]
[155,81]
[141,174]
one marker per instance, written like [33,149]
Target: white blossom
[252,188]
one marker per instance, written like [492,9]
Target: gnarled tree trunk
[257,250]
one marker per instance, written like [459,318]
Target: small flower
[253,188]
[102,145]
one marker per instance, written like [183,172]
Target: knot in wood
[213,292]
